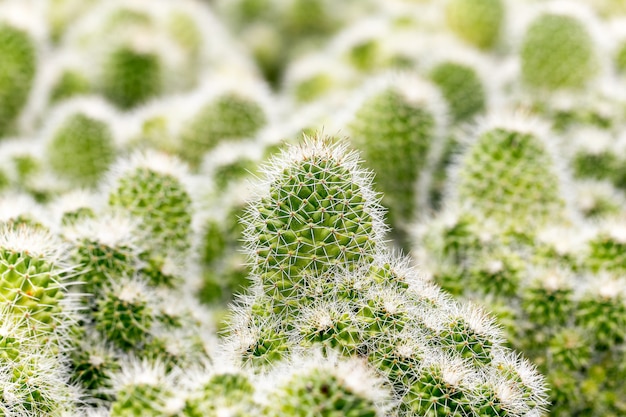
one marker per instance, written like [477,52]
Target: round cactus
[478,22]
[70,83]
[150,187]
[332,391]
[462,89]
[18,70]
[32,276]
[230,116]
[557,52]
[509,174]
[124,315]
[131,77]
[143,389]
[86,141]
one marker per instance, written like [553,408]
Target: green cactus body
[230,116]
[478,22]
[131,77]
[16,74]
[570,349]
[102,262]
[92,367]
[606,253]
[395,136]
[320,393]
[124,315]
[438,392]
[548,305]
[557,52]
[604,317]
[313,87]
[70,83]
[509,176]
[266,345]
[140,400]
[35,387]
[462,89]
[85,141]
[365,56]
[232,391]
[470,344]
[161,204]
[330,328]
[602,165]
[316,215]
[498,273]
[31,284]
[186,33]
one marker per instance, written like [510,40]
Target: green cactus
[124,314]
[366,305]
[229,116]
[88,142]
[319,213]
[142,390]
[216,392]
[131,77]
[509,175]
[150,188]
[557,52]
[395,135]
[32,277]
[462,88]
[323,393]
[478,22]
[19,57]
[71,83]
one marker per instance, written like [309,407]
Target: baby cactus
[557,52]
[508,173]
[229,116]
[462,89]
[360,302]
[478,22]
[19,57]
[86,140]
[397,128]
[33,267]
[151,188]
[131,77]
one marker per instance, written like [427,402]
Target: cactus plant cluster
[279,208]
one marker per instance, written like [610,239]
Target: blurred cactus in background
[312,208]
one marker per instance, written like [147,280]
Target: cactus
[397,129]
[360,301]
[478,22]
[70,83]
[131,77]
[150,187]
[19,55]
[87,141]
[229,116]
[33,276]
[462,88]
[557,52]
[509,174]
